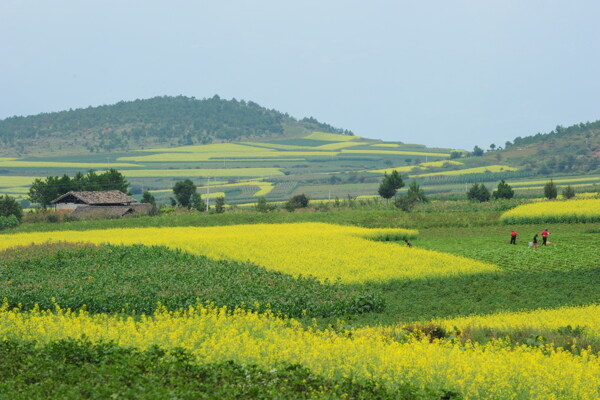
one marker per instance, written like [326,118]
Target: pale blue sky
[441,73]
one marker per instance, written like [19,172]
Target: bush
[298,201]
[406,202]
[263,206]
[504,191]
[478,192]
[220,205]
[568,192]
[550,190]
[9,206]
[8,222]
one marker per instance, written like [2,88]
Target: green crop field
[523,310]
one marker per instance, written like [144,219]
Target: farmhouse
[110,203]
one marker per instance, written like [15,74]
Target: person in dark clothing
[535,242]
[513,237]
[545,234]
[408,244]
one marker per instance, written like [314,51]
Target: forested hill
[155,122]
[564,150]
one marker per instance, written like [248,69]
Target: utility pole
[208,194]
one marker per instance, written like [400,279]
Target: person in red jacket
[513,237]
[545,234]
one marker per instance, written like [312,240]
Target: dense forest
[158,121]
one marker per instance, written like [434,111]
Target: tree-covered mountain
[156,122]
[574,149]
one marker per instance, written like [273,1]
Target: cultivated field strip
[214,335]
[328,252]
[584,210]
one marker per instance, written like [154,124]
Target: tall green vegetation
[10,206]
[186,195]
[550,190]
[568,192]
[390,185]
[413,196]
[43,191]
[479,193]
[504,191]
[297,201]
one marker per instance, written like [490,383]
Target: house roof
[91,198]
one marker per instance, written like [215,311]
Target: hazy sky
[441,73]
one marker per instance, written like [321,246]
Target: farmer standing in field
[513,237]
[545,234]
[535,242]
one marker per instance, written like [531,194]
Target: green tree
[220,205]
[390,185]
[504,191]
[550,190]
[147,197]
[10,206]
[297,201]
[263,206]
[185,193]
[477,151]
[478,192]
[415,191]
[455,154]
[568,192]
[43,191]
[197,203]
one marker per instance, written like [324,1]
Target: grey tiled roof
[95,198]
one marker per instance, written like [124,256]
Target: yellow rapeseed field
[323,250]
[141,173]
[492,371]
[477,170]
[14,181]
[543,319]
[216,148]
[396,152]
[587,317]
[204,172]
[52,164]
[340,145]
[191,157]
[408,168]
[554,211]
[330,137]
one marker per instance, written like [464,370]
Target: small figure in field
[535,242]
[545,234]
[408,244]
[513,237]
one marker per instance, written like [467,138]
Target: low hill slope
[575,149]
[156,122]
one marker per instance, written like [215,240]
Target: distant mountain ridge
[155,122]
